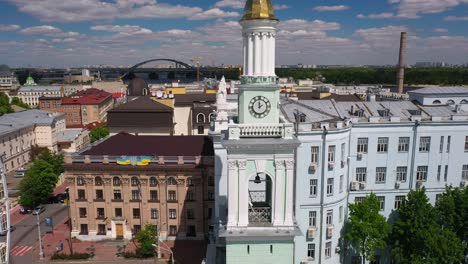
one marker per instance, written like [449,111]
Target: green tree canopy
[416,236]
[146,238]
[98,133]
[17,101]
[5,106]
[56,161]
[38,183]
[452,211]
[366,229]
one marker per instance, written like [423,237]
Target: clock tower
[255,156]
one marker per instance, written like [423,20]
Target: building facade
[31,94]
[8,80]
[162,180]
[73,140]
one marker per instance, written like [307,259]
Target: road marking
[20,250]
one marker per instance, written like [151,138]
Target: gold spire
[258,9]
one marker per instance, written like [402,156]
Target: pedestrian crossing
[18,251]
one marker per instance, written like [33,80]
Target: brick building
[127,181]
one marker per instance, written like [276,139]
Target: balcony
[238,131]
[260,215]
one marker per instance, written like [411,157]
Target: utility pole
[197,61]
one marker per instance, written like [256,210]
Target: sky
[75,33]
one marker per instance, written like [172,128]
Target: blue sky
[67,33]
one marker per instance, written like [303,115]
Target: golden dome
[258,9]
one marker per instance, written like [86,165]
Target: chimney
[402,63]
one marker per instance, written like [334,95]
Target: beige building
[73,140]
[20,131]
[31,94]
[111,86]
[127,181]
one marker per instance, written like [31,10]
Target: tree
[56,161]
[38,183]
[416,236]
[452,211]
[99,133]
[5,106]
[365,228]
[17,101]
[146,238]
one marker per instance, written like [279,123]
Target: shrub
[75,256]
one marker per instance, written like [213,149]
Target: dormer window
[384,113]
[359,113]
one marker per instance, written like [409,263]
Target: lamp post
[41,253]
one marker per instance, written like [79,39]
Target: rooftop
[130,145]
[39,88]
[89,96]
[455,90]
[143,104]
[69,135]
[189,99]
[19,120]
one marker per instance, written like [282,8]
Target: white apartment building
[31,94]
[20,131]
[350,149]
[8,80]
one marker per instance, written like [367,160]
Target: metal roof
[20,120]
[442,90]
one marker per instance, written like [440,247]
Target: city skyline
[54,33]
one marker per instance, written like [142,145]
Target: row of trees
[40,179]
[350,76]
[421,233]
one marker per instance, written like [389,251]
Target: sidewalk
[16,216]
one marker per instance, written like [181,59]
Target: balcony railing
[260,215]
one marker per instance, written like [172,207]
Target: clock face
[259,106]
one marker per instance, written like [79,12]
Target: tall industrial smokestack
[402,63]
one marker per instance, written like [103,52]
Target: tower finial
[258,9]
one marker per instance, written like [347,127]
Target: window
[136,213]
[153,195]
[330,186]
[329,217]
[448,143]
[436,102]
[134,181]
[83,229]
[465,172]
[382,144]
[343,151]
[311,251]
[362,144]
[190,196]
[200,118]
[341,183]
[380,173]
[117,195]
[80,181]
[154,213]
[212,117]
[314,154]
[340,214]
[83,212]
[99,195]
[172,196]
[172,214]
[153,181]
[189,181]
[401,174]
[101,229]
[382,202]
[403,144]
[466,143]
[100,213]
[172,230]
[421,173]
[361,174]
[201,130]
[116,181]
[441,146]
[135,195]
[190,214]
[439,169]
[328,250]
[424,144]
[358,200]
[210,181]
[313,187]
[98,181]
[136,229]
[171,181]
[211,195]
[398,201]
[81,195]
[118,212]
[209,213]
[331,153]
[312,218]
[446,173]
[191,231]
[450,102]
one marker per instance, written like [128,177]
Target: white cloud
[376,16]
[331,8]
[41,30]
[213,13]
[125,29]
[9,27]
[413,8]
[237,4]
[456,18]
[440,30]
[280,7]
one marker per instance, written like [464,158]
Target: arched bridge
[131,69]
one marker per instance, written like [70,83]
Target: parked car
[25,210]
[4,232]
[38,210]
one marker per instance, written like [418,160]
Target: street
[24,239]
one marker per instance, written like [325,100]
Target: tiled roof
[89,96]
[130,145]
